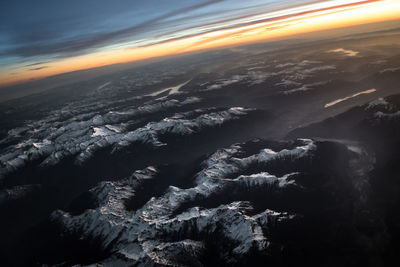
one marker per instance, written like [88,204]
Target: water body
[348,97]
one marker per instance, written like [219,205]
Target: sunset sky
[43,38]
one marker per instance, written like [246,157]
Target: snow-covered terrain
[290,74]
[149,234]
[383,110]
[51,139]
[137,167]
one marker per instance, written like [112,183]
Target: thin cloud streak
[82,44]
[270,22]
[38,68]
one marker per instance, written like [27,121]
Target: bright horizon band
[268,26]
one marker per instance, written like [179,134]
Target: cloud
[349,53]
[52,30]
[49,43]
[304,87]
[38,68]
[37,63]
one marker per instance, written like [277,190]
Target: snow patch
[380,102]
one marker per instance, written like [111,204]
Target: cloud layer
[38,32]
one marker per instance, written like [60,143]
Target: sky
[47,37]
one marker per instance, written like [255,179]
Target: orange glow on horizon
[340,16]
